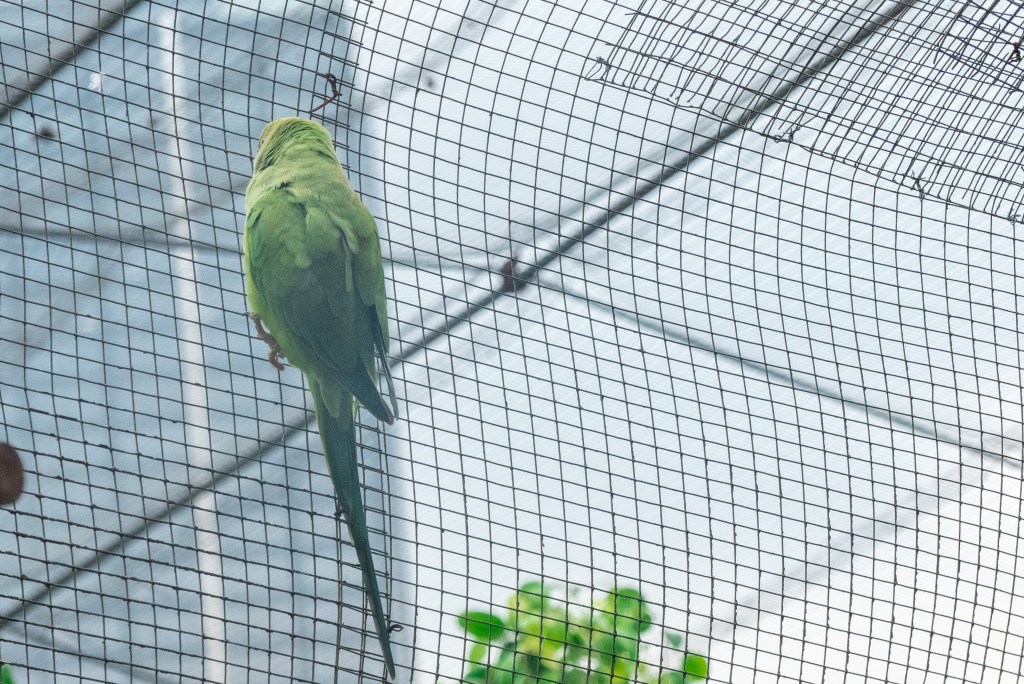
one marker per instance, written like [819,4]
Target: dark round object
[12,475]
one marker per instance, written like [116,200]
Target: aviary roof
[715,300]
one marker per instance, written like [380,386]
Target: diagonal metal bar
[137,531]
[108,19]
[649,187]
[785,377]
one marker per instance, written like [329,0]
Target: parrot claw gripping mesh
[315,283]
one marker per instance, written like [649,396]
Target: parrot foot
[275,353]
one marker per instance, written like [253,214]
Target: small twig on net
[1015,56]
[335,83]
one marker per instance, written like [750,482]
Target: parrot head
[281,134]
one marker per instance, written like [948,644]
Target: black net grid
[713,300]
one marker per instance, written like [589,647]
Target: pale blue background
[780,392]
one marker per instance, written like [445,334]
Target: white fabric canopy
[764,362]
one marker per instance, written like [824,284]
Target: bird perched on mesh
[315,283]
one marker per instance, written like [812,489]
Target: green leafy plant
[540,640]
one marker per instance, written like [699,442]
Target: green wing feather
[309,288]
[315,278]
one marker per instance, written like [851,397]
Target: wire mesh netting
[715,301]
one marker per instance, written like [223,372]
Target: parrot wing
[319,280]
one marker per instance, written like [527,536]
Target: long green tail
[339,439]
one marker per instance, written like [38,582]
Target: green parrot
[315,283]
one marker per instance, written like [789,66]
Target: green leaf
[555,634]
[528,644]
[506,657]
[528,664]
[6,674]
[631,611]
[672,677]
[542,642]
[695,667]
[627,647]
[577,651]
[478,652]
[477,675]
[574,675]
[624,668]
[530,597]
[481,626]
[498,675]
[603,646]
